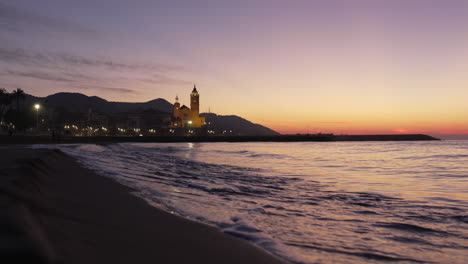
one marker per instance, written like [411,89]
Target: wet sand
[55,211]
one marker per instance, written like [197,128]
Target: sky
[296,66]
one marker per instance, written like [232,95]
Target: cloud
[106,88]
[79,70]
[72,69]
[163,79]
[15,20]
[38,75]
[61,60]
[73,80]
[50,76]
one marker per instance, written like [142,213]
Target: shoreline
[57,211]
[33,139]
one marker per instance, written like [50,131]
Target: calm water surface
[347,202]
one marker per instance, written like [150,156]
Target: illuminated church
[184,117]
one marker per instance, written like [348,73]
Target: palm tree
[18,94]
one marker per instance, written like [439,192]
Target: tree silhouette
[18,94]
[3,93]
[5,101]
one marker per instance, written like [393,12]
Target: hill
[238,124]
[76,102]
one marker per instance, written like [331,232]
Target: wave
[410,228]
[446,156]
[383,256]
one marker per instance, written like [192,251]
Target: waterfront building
[184,117]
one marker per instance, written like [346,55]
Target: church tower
[176,112]
[194,101]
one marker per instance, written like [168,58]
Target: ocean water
[331,202]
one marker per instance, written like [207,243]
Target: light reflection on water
[347,202]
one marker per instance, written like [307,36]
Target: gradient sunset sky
[395,66]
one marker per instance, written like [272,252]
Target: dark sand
[55,211]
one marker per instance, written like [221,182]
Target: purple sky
[333,66]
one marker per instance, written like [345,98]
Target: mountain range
[80,103]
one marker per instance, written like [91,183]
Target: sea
[307,202]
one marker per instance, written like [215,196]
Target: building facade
[184,117]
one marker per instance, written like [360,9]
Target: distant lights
[37,106]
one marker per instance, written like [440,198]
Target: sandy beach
[56,211]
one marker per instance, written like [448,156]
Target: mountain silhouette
[80,103]
[76,102]
[239,125]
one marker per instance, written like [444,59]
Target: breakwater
[27,139]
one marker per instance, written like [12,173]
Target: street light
[37,107]
[190,126]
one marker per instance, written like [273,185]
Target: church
[184,117]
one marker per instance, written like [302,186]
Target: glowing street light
[37,107]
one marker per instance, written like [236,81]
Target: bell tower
[176,107]
[195,101]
